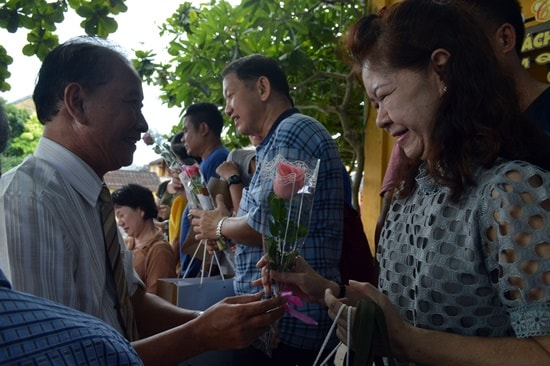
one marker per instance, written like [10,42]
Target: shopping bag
[199,293]
[195,293]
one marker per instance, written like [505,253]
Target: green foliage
[17,118]
[26,142]
[25,131]
[303,35]
[40,18]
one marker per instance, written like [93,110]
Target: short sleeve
[515,230]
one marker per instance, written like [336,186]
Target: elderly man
[59,240]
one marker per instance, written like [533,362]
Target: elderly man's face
[114,119]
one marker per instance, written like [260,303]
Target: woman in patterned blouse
[465,251]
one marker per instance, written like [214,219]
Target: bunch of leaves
[40,18]
[24,132]
[305,36]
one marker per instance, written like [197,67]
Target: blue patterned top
[476,267]
[296,136]
[35,331]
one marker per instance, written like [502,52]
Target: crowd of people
[462,241]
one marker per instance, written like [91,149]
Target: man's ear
[506,39]
[264,88]
[74,102]
[203,129]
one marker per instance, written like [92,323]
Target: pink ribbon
[295,300]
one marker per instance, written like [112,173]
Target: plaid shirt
[36,331]
[296,136]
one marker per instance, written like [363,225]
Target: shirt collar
[289,112]
[80,175]
[4,280]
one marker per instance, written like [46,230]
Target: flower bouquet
[199,197]
[286,213]
[162,148]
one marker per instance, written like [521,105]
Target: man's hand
[236,322]
[303,281]
[175,186]
[205,222]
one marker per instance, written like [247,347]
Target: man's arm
[232,323]
[146,304]
[225,171]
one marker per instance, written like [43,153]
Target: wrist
[234,179]
[219,226]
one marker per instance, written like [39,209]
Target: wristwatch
[234,179]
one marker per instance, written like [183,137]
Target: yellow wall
[378,144]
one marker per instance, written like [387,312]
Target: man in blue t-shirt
[202,128]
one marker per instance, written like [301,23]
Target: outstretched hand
[237,321]
[303,281]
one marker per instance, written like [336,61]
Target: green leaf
[106,26]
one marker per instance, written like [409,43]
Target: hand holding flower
[205,221]
[302,280]
[288,209]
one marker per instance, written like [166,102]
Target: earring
[444,89]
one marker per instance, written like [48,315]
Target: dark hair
[136,196]
[85,60]
[250,68]
[479,117]
[495,13]
[4,128]
[162,188]
[207,113]
[177,146]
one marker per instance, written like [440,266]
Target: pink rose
[148,139]
[288,180]
[191,170]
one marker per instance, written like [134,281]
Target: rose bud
[288,181]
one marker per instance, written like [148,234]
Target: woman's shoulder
[510,168]
[160,245]
[509,175]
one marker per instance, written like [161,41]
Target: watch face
[234,179]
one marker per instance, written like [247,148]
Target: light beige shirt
[53,245]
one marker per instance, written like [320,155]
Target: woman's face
[130,219]
[163,212]
[406,102]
